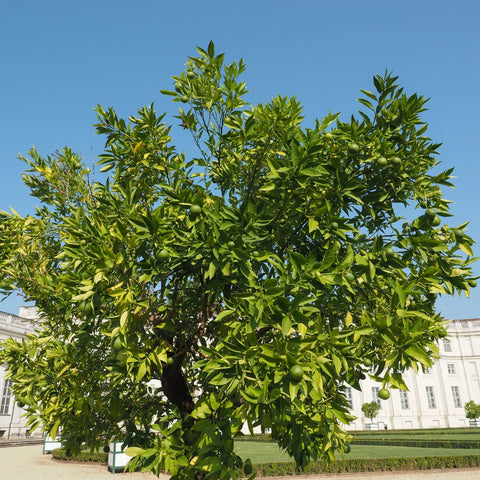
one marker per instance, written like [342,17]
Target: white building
[11,422]
[436,398]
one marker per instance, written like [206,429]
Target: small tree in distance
[370,409]
[472,410]
[188,297]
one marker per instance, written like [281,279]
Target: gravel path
[28,463]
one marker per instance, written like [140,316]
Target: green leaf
[371,270]
[465,248]
[286,325]
[134,451]
[418,354]
[169,92]
[223,314]
[54,429]
[142,370]
[312,225]
[211,270]
[211,49]
[366,103]
[401,294]
[361,331]
[83,296]
[369,94]
[314,172]
[123,318]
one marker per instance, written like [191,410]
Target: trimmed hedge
[93,457]
[369,465]
[417,431]
[402,442]
[259,437]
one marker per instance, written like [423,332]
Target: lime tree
[189,296]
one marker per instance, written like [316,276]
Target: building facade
[436,398]
[12,423]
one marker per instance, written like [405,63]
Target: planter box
[117,460]
[372,426]
[50,444]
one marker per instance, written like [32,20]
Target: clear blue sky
[58,59]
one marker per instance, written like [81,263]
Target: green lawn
[263,452]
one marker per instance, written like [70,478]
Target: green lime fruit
[85,307]
[367,362]
[384,394]
[178,86]
[328,136]
[436,221]
[430,212]
[184,99]
[459,234]
[196,209]
[170,360]
[190,74]
[353,148]
[296,373]
[163,254]
[255,253]
[382,161]
[117,344]
[334,225]
[350,276]
[389,251]
[247,469]
[472,282]
[231,244]
[396,160]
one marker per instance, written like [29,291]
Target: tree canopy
[371,409]
[185,297]
[472,410]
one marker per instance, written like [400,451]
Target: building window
[451,368]
[348,396]
[375,396]
[6,397]
[431,397]
[457,402]
[404,400]
[447,345]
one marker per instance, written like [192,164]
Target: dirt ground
[28,463]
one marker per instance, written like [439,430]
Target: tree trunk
[176,389]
